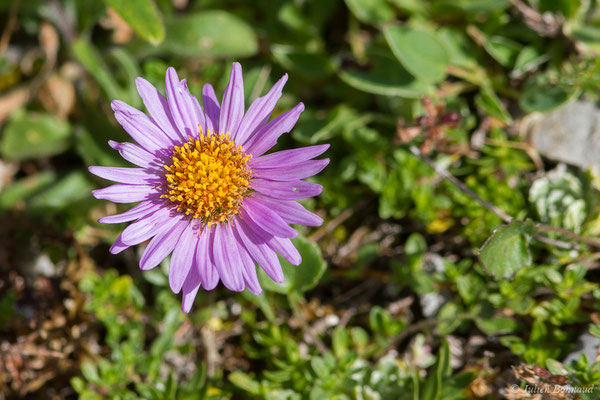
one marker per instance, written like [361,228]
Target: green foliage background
[394,299]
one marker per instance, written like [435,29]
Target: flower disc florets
[208,177]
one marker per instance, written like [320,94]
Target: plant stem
[567,233]
[463,188]
[542,228]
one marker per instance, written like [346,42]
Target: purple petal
[145,227]
[232,109]
[227,258]
[290,190]
[157,106]
[286,248]
[288,157]
[190,289]
[197,114]
[183,258]
[124,193]
[267,137]
[140,210]
[266,218]
[140,127]
[134,153]
[118,246]
[249,271]
[180,105]
[293,172]
[163,243]
[259,250]
[259,112]
[209,276]
[291,211]
[124,175]
[211,108]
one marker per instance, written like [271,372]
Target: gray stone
[570,134]
[587,344]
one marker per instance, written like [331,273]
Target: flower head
[207,193]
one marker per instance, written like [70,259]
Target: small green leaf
[298,278]
[387,77]
[90,372]
[496,325]
[489,102]
[319,367]
[92,61]
[595,330]
[419,51]
[544,98]
[143,17]
[312,64]
[340,341]
[244,382]
[214,33]
[507,250]
[371,11]
[31,135]
[73,187]
[22,189]
[555,367]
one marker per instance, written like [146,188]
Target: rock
[570,134]
[587,344]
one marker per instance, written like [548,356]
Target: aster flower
[207,192]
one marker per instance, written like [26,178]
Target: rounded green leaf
[31,135]
[371,11]
[298,278]
[419,51]
[213,33]
[507,250]
[387,77]
[544,98]
[142,16]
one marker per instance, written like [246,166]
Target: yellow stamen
[208,177]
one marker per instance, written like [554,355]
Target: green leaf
[595,330]
[555,367]
[24,188]
[544,98]
[371,11]
[244,382]
[91,60]
[507,250]
[214,33]
[73,187]
[32,135]
[496,325]
[298,278]
[503,50]
[143,17]
[421,52]
[435,382]
[312,64]
[340,341]
[319,367]
[387,77]
[491,105]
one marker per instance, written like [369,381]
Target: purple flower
[206,191]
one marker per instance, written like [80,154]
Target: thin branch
[9,28]
[569,234]
[442,172]
[501,214]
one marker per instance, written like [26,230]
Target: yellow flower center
[208,177]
